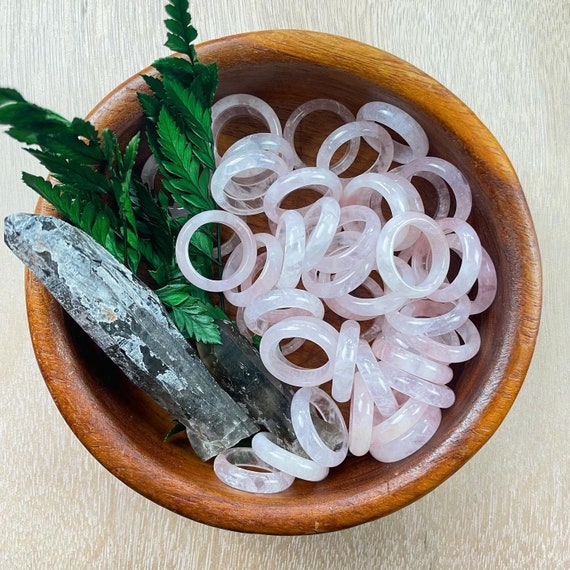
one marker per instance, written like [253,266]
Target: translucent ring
[443,348]
[441,210]
[394,336]
[372,188]
[322,105]
[375,380]
[257,180]
[286,349]
[448,172]
[415,387]
[320,233]
[360,250]
[327,285]
[319,179]
[274,305]
[290,234]
[236,164]
[270,264]
[231,467]
[400,194]
[316,330]
[409,413]
[468,245]
[409,442]
[338,304]
[241,105]
[439,254]
[345,360]
[443,195]
[407,321]
[364,308]
[416,364]
[486,285]
[401,123]
[265,446]
[361,418]
[246,264]
[305,430]
[383,144]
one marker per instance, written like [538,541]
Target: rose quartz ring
[270,264]
[241,468]
[321,180]
[241,105]
[317,105]
[267,449]
[246,263]
[240,201]
[361,419]
[416,141]
[301,415]
[309,328]
[345,360]
[409,441]
[380,141]
[437,167]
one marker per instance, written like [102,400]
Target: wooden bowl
[124,429]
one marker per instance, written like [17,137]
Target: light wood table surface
[509,506]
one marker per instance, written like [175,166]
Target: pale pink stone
[265,446]
[244,268]
[361,417]
[309,328]
[447,348]
[268,265]
[382,142]
[321,222]
[375,380]
[222,185]
[393,427]
[321,180]
[439,255]
[424,316]
[464,240]
[448,172]
[486,285]
[241,105]
[411,362]
[409,442]
[277,304]
[372,188]
[304,400]
[322,105]
[241,468]
[345,361]
[403,124]
[415,387]
[359,250]
[290,234]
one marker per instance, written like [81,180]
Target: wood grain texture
[507,508]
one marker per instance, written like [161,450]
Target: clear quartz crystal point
[129,323]
[237,367]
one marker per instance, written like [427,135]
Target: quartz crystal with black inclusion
[127,320]
[238,368]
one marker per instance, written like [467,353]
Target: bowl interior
[124,429]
